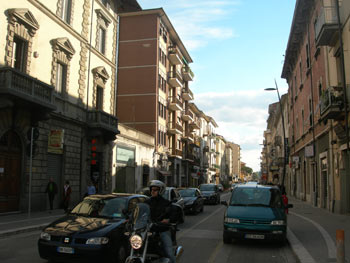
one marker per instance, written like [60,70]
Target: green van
[255,212]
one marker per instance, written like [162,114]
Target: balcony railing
[175,79]
[174,128]
[103,123]
[175,152]
[331,106]
[187,94]
[174,55]
[24,88]
[175,104]
[187,73]
[326,25]
[195,124]
[187,115]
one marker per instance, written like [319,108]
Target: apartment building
[57,75]
[153,91]
[317,87]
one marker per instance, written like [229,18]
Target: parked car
[210,193]
[221,187]
[255,212]
[194,201]
[171,194]
[93,230]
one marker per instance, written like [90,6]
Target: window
[66,11]
[307,56]
[300,72]
[302,121]
[310,113]
[162,57]
[61,78]
[99,98]
[19,54]
[102,40]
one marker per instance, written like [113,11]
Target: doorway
[10,171]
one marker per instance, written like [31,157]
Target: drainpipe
[116,68]
[89,63]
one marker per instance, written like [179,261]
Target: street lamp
[284,132]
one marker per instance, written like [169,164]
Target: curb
[20,230]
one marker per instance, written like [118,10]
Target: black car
[93,230]
[210,193]
[194,201]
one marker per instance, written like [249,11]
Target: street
[200,235]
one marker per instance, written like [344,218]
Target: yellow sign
[55,141]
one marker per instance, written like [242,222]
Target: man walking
[67,190]
[51,190]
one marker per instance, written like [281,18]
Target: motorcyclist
[160,212]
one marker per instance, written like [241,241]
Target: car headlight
[97,241]
[231,220]
[278,222]
[45,236]
[136,241]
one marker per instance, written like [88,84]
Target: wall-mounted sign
[55,141]
[309,151]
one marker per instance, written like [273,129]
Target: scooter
[145,240]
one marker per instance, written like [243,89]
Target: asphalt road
[200,235]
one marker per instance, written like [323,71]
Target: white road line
[301,252]
[329,241]
[215,252]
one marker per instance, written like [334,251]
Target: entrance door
[10,171]
[54,170]
[125,179]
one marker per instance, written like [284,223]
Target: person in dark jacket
[67,190]
[160,212]
[51,190]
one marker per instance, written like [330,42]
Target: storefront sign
[55,141]
[125,155]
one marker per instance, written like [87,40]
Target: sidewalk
[15,223]
[312,233]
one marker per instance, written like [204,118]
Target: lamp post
[284,132]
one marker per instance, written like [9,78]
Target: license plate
[67,250]
[251,236]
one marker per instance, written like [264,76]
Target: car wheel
[226,239]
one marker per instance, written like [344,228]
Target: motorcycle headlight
[136,241]
[231,220]
[97,241]
[278,222]
[45,236]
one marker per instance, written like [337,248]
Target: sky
[237,48]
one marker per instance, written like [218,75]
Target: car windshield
[207,187]
[256,197]
[187,192]
[108,208]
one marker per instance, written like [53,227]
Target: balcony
[174,55]
[175,79]
[326,26]
[187,73]
[187,115]
[22,90]
[195,125]
[331,106]
[187,94]
[175,104]
[101,123]
[175,152]
[188,137]
[175,128]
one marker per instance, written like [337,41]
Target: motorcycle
[145,240]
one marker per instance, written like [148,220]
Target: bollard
[340,246]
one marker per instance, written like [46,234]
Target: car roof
[256,185]
[184,188]
[114,195]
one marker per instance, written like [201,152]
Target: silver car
[172,194]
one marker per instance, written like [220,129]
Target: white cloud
[241,117]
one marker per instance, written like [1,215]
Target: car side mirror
[224,203]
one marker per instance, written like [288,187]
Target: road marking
[329,241]
[200,222]
[215,252]
[303,255]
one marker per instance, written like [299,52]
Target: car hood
[71,224]
[208,193]
[255,213]
[189,199]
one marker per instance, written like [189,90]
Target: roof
[112,195]
[256,185]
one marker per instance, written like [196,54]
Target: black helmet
[159,184]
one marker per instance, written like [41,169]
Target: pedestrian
[91,189]
[284,198]
[67,190]
[51,190]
